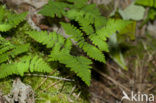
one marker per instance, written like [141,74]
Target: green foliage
[152,14]
[91,50]
[9,20]
[61,52]
[58,9]
[25,64]
[8,50]
[90,34]
[151,3]
[12,57]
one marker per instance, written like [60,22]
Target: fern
[151,3]
[8,50]
[91,34]
[98,37]
[91,50]
[78,3]
[58,9]
[9,20]
[26,64]
[61,52]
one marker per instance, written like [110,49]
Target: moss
[59,93]
[5,85]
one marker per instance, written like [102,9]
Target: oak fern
[61,48]
[90,34]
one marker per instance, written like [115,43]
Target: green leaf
[133,12]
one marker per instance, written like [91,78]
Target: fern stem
[47,76]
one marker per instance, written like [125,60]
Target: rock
[34,3]
[20,93]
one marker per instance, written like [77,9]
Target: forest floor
[109,80]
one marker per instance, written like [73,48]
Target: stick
[53,77]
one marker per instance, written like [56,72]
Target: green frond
[78,3]
[151,3]
[5,27]
[80,65]
[101,44]
[90,35]
[8,50]
[7,69]
[54,8]
[77,35]
[45,38]
[25,64]
[15,19]
[81,16]
[61,48]
[112,26]
[19,49]
[100,22]
[91,9]
[9,20]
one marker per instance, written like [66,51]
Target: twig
[72,90]
[99,97]
[44,80]
[53,77]
[62,87]
[78,95]
[53,84]
[111,66]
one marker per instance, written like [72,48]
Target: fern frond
[77,35]
[26,64]
[9,20]
[5,27]
[112,26]
[48,39]
[61,52]
[8,50]
[54,8]
[91,9]
[80,65]
[15,19]
[78,3]
[151,3]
